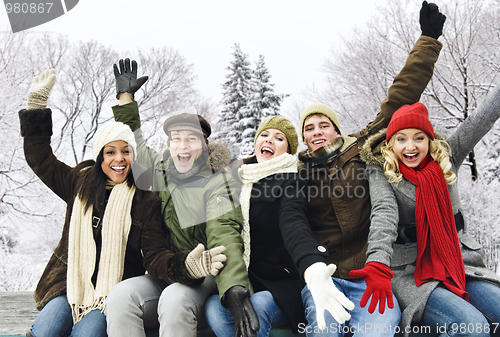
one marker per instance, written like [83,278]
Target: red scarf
[438,251]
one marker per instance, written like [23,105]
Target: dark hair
[92,189]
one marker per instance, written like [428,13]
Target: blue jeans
[56,320]
[270,315]
[362,323]
[451,315]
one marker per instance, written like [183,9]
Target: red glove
[378,285]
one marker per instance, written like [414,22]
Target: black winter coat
[282,244]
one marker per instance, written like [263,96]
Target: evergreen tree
[248,99]
[263,102]
[236,91]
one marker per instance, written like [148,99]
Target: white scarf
[252,173]
[116,223]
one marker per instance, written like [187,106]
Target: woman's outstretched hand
[40,89]
[378,286]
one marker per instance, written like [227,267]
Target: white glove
[201,262]
[40,89]
[326,296]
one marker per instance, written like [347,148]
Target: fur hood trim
[219,158]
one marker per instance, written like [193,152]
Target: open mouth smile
[118,169]
[183,157]
[410,157]
[266,151]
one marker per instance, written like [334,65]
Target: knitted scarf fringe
[80,310]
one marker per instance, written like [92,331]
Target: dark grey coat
[393,210]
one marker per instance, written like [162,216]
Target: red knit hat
[413,116]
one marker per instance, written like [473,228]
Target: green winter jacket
[202,208]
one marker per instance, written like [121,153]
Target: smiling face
[318,131]
[270,144]
[117,160]
[411,146]
[185,147]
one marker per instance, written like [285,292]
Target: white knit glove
[326,296]
[201,262]
[40,89]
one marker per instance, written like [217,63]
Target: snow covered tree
[361,69]
[262,103]
[236,91]
[249,98]
[31,215]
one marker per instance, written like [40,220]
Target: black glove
[246,322]
[431,20]
[126,77]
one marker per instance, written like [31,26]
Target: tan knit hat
[284,125]
[319,108]
[109,133]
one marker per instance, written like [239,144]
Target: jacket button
[478,273]
[322,249]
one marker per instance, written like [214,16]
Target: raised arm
[127,112]
[412,80]
[36,129]
[478,124]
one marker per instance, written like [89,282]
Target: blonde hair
[439,150]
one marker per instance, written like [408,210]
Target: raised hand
[201,262]
[431,20]
[39,92]
[126,77]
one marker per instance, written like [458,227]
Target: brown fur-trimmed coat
[36,128]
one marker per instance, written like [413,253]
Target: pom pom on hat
[284,125]
[109,133]
[322,109]
[414,116]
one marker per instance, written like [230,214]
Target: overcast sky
[294,36]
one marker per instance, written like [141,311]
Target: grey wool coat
[393,212]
